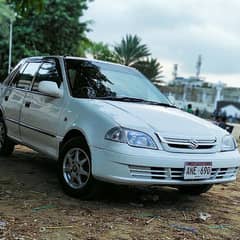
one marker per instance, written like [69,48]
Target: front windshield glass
[89,79]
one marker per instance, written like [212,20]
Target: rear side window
[13,73]
[24,78]
[47,72]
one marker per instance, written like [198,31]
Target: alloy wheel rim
[76,168]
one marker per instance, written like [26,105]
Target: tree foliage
[56,30]
[97,50]
[53,27]
[6,13]
[130,50]
[23,7]
[151,68]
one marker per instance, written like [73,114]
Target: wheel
[195,189]
[6,144]
[74,170]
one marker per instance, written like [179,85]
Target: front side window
[101,80]
[47,72]
[25,76]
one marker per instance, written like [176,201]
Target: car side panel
[12,101]
[40,122]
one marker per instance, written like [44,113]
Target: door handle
[6,98]
[27,104]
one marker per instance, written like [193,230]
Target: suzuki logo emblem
[193,144]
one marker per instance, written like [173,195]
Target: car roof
[39,58]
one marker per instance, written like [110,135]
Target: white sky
[176,31]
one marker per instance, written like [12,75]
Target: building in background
[202,95]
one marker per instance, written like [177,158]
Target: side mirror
[50,88]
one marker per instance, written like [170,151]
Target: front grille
[188,145]
[176,173]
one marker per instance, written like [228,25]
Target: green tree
[6,16]
[6,13]
[23,7]
[98,50]
[83,45]
[56,30]
[130,50]
[151,68]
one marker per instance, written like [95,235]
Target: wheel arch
[74,133]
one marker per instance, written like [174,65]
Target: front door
[41,113]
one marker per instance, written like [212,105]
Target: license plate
[197,170]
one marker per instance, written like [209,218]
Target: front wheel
[195,189]
[6,144]
[74,170]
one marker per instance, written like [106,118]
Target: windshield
[104,80]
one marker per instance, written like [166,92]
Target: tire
[195,189]
[74,170]
[6,144]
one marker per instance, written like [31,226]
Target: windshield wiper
[124,99]
[132,99]
[161,104]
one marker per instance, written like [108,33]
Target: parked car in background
[106,122]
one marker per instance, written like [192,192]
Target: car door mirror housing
[50,88]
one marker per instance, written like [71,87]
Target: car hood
[166,121]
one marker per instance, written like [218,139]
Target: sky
[176,32]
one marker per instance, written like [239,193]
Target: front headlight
[131,137]
[228,143]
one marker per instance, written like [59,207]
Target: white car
[105,122]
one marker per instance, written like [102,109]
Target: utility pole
[175,71]
[198,66]
[10,46]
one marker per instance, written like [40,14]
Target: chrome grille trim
[187,141]
[188,145]
[176,173]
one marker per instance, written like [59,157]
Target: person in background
[189,108]
[221,121]
[197,112]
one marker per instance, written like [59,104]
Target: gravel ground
[32,206]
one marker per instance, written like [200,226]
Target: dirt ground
[33,206]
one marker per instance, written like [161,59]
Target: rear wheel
[74,170]
[195,189]
[6,144]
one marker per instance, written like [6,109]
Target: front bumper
[152,167]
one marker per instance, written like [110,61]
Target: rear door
[14,97]
[40,116]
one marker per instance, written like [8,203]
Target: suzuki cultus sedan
[106,122]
